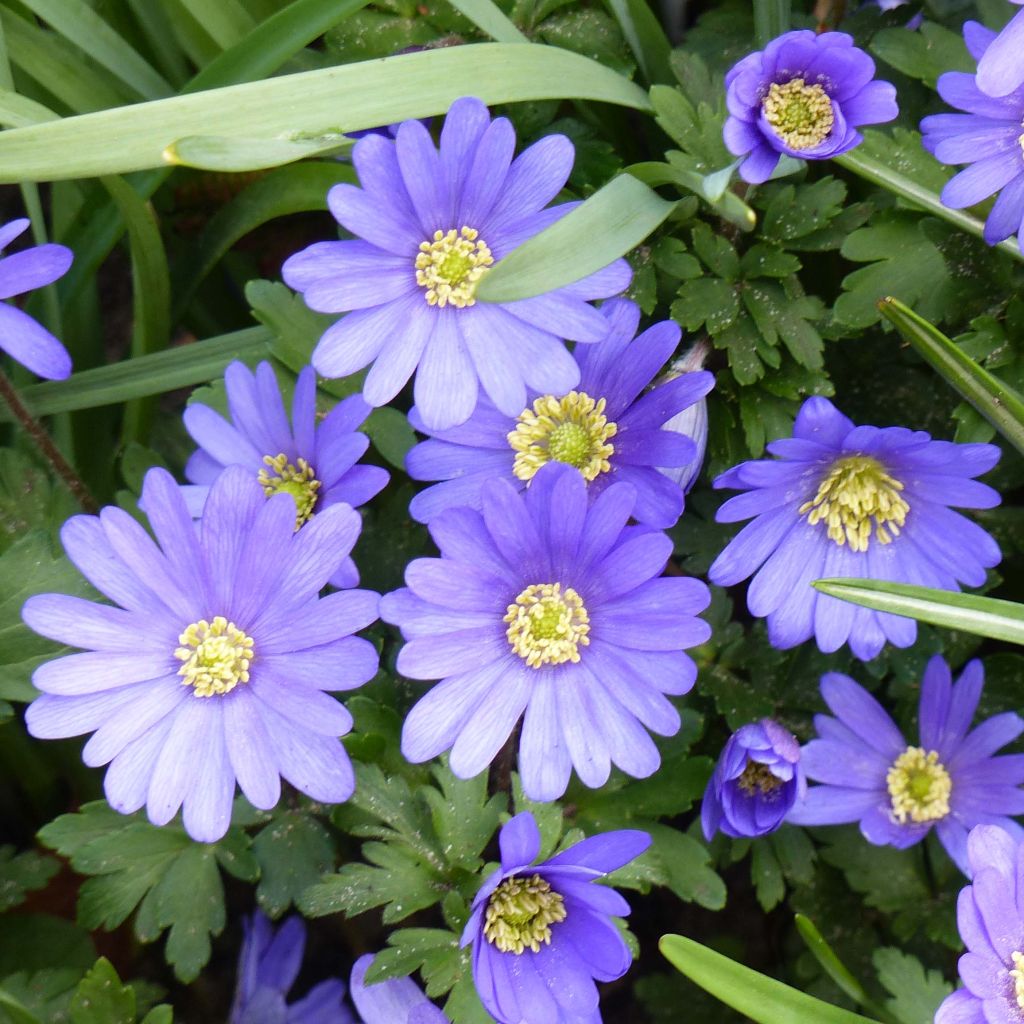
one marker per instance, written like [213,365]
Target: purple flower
[757,780]
[268,965]
[899,792]
[397,1001]
[316,463]
[691,422]
[1000,68]
[990,916]
[429,225]
[862,502]
[987,136]
[21,337]
[211,666]
[547,604]
[804,95]
[604,427]
[541,933]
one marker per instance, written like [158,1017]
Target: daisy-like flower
[429,225]
[316,463]
[604,427]
[898,792]
[1000,69]
[990,917]
[212,665]
[757,780]
[541,933]
[268,965]
[547,604]
[849,501]
[988,136]
[396,1001]
[803,95]
[21,337]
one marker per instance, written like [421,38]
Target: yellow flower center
[520,914]
[547,626]
[800,114]
[919,786]
[855,497]
[1018,977]
[217,656]
[450,266]
[572,429]
[299,481]
[758,778]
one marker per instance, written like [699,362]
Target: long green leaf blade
[490,18]
[226,22]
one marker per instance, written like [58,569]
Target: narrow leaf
[727,204]
[216,153]
[490,19]
[646,38]
[771,19]
[225,21]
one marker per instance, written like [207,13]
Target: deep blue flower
[757,780]
[899,792]
[1000,68]
[546,604]
[804,95]
[21,337]
[268,965]
[315,462]
[605,427]
[863,502]
[541,933]
[987,136]
[428,226]
[212,665]
[396,1001]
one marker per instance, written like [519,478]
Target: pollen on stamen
[298,480]
[520,914]
[547,625]
[1017,974]
[450,266]
[759,778]
[919,786]
[800,114]
[217,656]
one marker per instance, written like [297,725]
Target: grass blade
[226,22]
[490,18]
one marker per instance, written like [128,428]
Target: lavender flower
[1000,68]
[21,337]
[864,502]
[213,663]
[316,463]
[541,933]
[757,780]
[397,1001]
[546,604]
[899,792]
[804,95]
[691,422]
[428,227]
[604,427]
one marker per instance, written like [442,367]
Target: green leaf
[464,817]
[766,874]
[232,155]
[294,851]
[21,874]
[645,36]
[707,300]
[101,998]
[37,942]
[227,22]
[490,19]
[925,54]
[779,314]
[29,499]
[15,1010]
[391,433]
[916,992]
[295,328]
[771,19]
[760,998]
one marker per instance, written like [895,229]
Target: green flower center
[547,626]
[1018,977]
[800,114]
[217,656]
[855,498]
[450,266]
[919,786]
[758,778]
[299,481]
[520,914]
[572,429]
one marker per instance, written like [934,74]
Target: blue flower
[212,665]
[898,792]
[757,780]
[607,427]
[316,463]
[1000,68]
[396,1001]
[542,934]
[863,502]
[429,225]
[546,604]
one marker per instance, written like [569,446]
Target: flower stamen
[759,778]
[547,625]
[919,786]
[801,115]
[217,656]
[520,914]
[1018,977]
[297,480]
[450,266]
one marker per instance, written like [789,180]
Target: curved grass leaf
[771,19]
[646,38]
[490,18]
[727,204]
[216,153]
[226,22]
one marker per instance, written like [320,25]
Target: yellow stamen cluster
[919,786]
[520,914]
[1018,977]
[450,266]
[217,656]
[758,778]
[855,498]
[800,114]
[547,625]
[572,429]
[297,480]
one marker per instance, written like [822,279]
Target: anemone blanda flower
[396,1001]
[990,917]
[757,780]
[987,136]
[268,965]
[211,666]
[1000,68]
[316,463]
[803,95]
[604,427]
[849,501]
[547,604]
[898,792]
[21,337]
[541,933]
[691,422]
[428,226]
